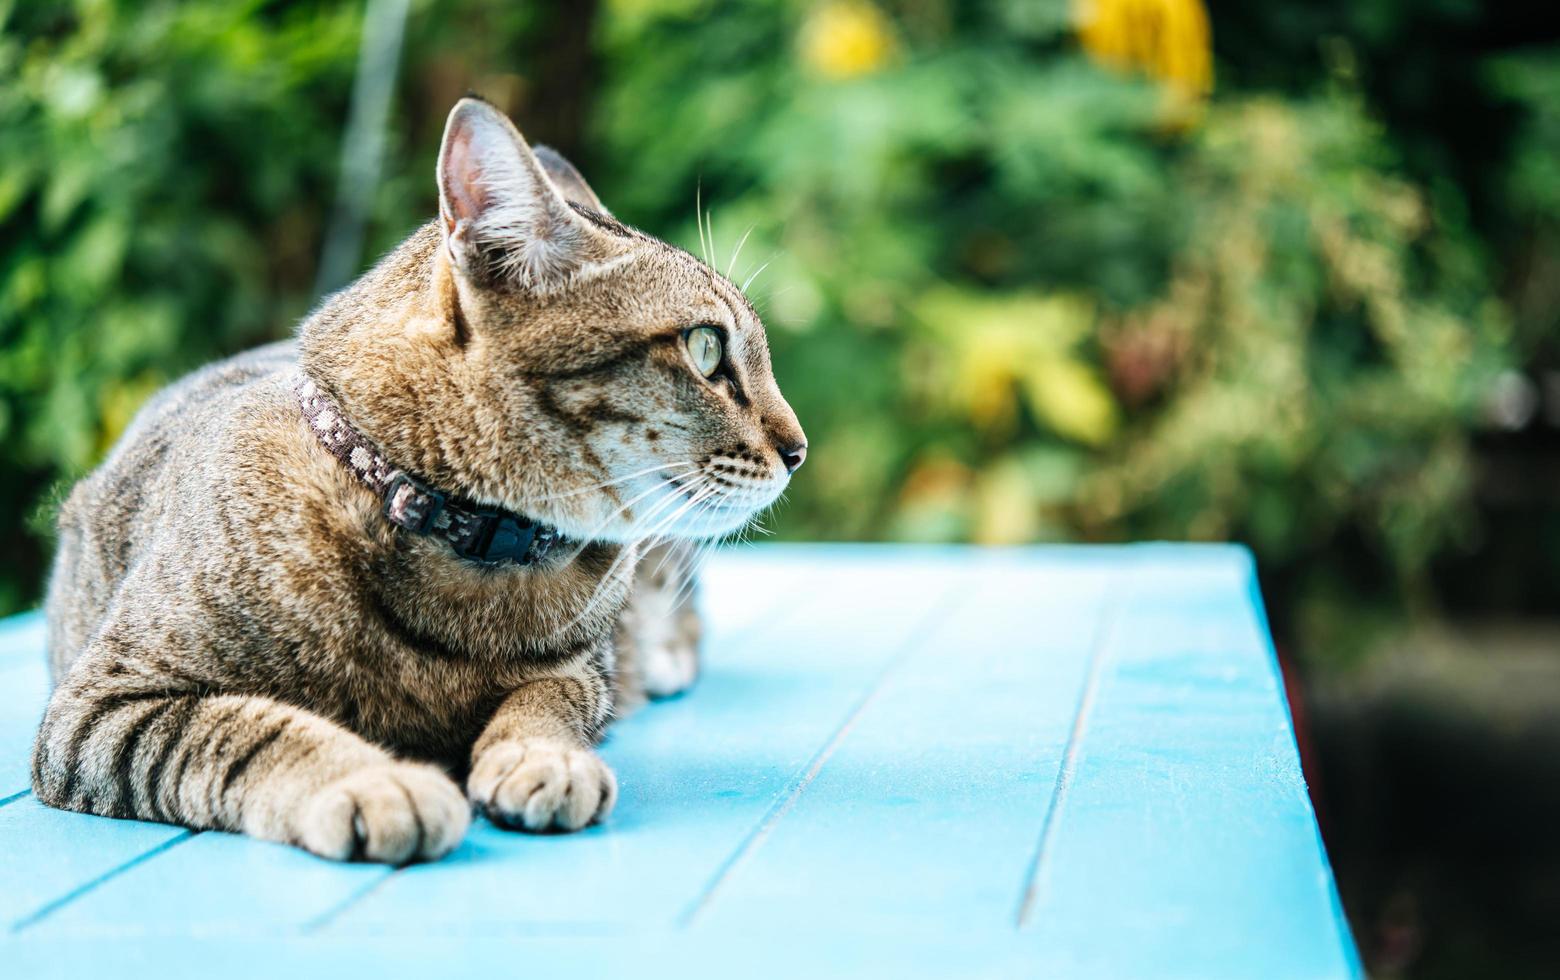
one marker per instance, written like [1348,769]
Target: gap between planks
[1103,640]
[54,905]
[784,805]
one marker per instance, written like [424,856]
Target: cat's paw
[670,667]
[394,813]
[542,784]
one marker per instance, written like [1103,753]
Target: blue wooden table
[900,762]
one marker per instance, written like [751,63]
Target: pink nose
[793,456]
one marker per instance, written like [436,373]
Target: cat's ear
[567,178]
[503,219]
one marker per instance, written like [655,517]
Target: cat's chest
[429,667]
[423,708]
[424,596]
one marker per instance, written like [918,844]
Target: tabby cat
[318,587]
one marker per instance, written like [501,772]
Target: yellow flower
[845,38]
[1006,511]
[1070,396]
[1165,39]
[998,348]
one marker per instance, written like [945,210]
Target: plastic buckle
[502,538]
[421,508]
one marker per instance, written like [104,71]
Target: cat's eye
[706,348]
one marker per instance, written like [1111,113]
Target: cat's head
[628,382]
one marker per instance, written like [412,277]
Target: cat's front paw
[670,667]
[394,813]
[542,784]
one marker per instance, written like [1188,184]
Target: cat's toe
[670,668]
[542,784]
[392,814]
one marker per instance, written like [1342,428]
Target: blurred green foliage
[150,171]
[1013,295]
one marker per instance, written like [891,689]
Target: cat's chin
[712,522]
[716,522]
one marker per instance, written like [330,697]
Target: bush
[163,172]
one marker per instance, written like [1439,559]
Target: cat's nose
[793,456]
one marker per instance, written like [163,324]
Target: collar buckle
[500,537]
[412,504]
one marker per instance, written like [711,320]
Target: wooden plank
[48,857]
[698,775]
[927,814]
[24,688]
[1184,823]
[405,953]
[24,685]
[20,636]
[211,884]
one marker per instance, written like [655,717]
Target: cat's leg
[123,748]
[534,766]
[659,630]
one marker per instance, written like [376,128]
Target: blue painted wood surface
[900,762]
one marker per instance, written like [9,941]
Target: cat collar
[488,535]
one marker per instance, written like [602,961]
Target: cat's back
[113,515]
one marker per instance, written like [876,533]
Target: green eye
[706,349]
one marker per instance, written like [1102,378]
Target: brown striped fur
[240,641]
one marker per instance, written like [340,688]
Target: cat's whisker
[670,553]
[616,480]
[632,550]
[623,510]
[738,250]
[754,275]
[691,575]
[698,219]
[665,557]
[690,580]
[707,544]
[607,579]
[764,305]
[689,486]
[705,491]
[706,502]
[695,567]
[653,520]
[666,525]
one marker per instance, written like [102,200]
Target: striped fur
[240,641]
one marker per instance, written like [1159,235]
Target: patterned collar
[488,535]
